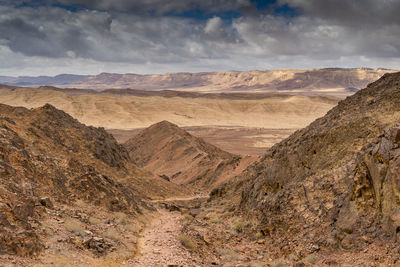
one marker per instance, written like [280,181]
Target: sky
[49,37]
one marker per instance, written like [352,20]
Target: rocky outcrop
[45,152]
[299,192]
[375,192]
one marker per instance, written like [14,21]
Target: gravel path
[160,245]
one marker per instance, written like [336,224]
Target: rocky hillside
[177,156]
[348,80]
[311,193]
[52,168]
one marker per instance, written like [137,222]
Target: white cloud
[213,25]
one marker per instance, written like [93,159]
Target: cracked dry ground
[160,244]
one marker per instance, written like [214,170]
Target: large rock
[376,180]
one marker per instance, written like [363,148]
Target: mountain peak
[171,152]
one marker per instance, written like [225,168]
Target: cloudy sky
[48,37]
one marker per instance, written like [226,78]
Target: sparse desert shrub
[293,257]
[133,228]
[112,234]
[94,220]
[186,242]
[215,220]
[279,263]
[48,231]
[74,226]
[227,214]
[130,254]
[120,218]
[228,254]
[237,225]
[60,260]
[310,259]
[142,219]
[188,217]
[258,235]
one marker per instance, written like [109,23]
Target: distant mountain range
[62,79]
[337,80]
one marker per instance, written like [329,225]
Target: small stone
[165,177]
[348,242]
[365,239]
[88,232]
[46,202]
[194,212]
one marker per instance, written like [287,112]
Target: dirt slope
[173,153]
[308,194]
[54,169]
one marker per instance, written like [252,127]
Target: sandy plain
[245,124]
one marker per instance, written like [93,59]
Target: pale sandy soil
[241,140]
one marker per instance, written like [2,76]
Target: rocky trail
[160,243]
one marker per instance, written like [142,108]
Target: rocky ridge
[182,158]
[311,188]
[49,162]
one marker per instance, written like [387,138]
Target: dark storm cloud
[143,6]
[158,35]
[359,13]
[55,32]
[47,32]
[14,31]
[364,27]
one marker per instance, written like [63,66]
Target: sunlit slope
[129,112]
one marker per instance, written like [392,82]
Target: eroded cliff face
[269,80]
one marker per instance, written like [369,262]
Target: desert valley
[181,178]
[187,133]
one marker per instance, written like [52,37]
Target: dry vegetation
[186,242]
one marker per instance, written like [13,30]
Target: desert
[238,133]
